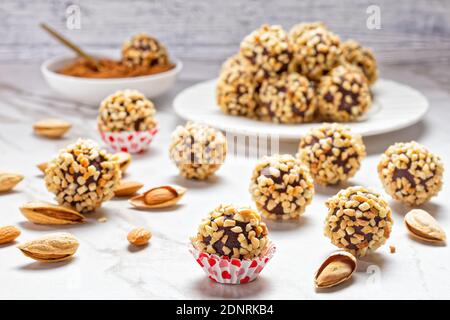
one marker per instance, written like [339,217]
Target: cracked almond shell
[423,226]
[47,213]
[8,180]
[159,197]
[127,188]
[337,268]
[53,247]
[51,128]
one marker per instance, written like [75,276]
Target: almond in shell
[127,188]
[124,160]
[42,166]
[53,247]
[8,234]
[8,180]
[337,268]
[47,213]
[159,197]
[423,226]
[51,128]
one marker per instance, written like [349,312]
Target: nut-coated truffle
[288,98]
[332,152]
[410,173]
[281,187]
[197,150]
[143,50]
[82,176]
[268,50]
[233,232]
[127,110]
[316,50]
[361,57]
[344,94]
[359,220]
[236,88]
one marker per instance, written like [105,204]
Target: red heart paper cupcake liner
[232,270]
[129,141]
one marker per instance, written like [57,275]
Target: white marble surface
[106,267]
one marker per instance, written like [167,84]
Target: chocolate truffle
[143,50]
[232,232]
[332,153]
[82,176]
[236,88]
[197,150]
[343,94]
[281,187]
[359,220]
[267,50]
[288,98]
[410,173]
[127,110]
[361,57]
[316,50]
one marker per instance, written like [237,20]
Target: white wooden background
[204,32]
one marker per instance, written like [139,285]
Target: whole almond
[51,248]
[423,226]
[8,234]
[159,197]
[127,188]
[51,128]
[47,213]
[9,180]
[124,160]
[337,268]
[139,236]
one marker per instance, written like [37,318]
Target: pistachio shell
[51,248]
[47,213]
[159,197]
[337,268]
[51,128]
[423,226]
[127,188]
[9,180]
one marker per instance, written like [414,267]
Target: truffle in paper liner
[129,141]
[232,270]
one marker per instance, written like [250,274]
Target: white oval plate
[395,106]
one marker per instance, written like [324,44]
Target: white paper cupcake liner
[232,270]
[129,141]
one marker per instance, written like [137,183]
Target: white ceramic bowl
[93,91]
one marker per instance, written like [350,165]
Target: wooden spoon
[71,45]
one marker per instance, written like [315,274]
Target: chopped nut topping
[361,233]
[281,187]
[233,241]
[362,57]
[332,153]
[197,150]
[143,50]
[410,173]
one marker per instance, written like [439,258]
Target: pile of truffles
[410,173]
[197,150]
[127,110]
[232,232]
[359,220]
[281,187]
[82,176]
[297,77]
[332,152]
